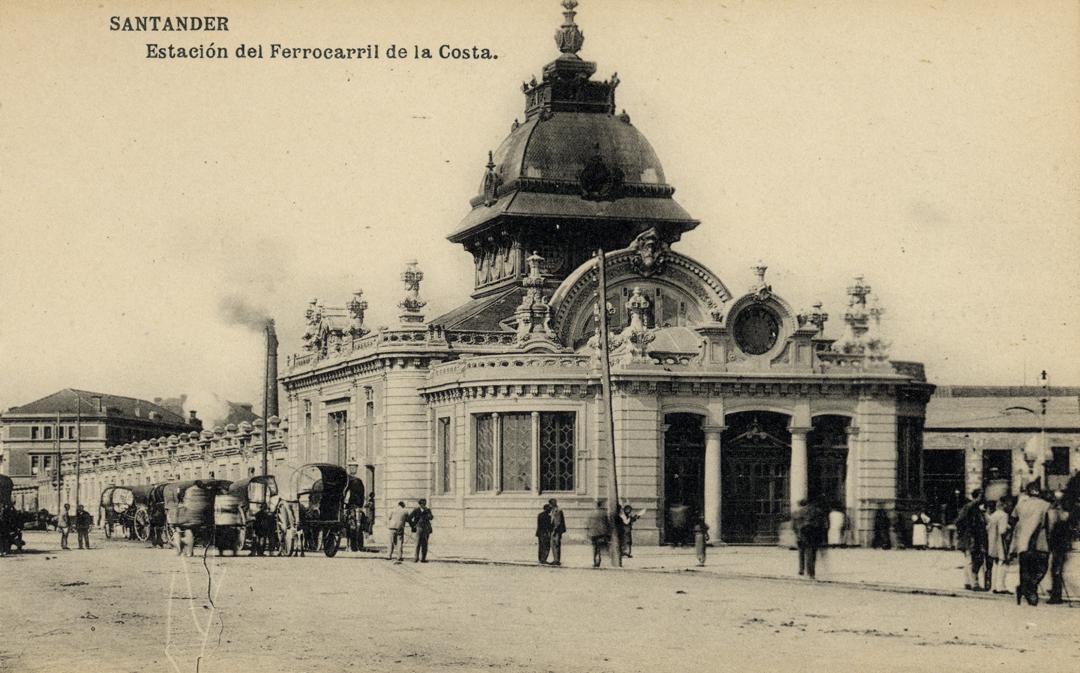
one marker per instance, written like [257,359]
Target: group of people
[1032,530]
[419,522]
[82,521]
[599,529]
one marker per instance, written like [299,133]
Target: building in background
[32,435]
[978,435]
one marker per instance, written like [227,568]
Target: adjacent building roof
[70,401]
[1002,408]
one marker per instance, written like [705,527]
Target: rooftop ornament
[411,305]
[569,37]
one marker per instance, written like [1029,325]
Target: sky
[933,147]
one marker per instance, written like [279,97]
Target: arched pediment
[680,291]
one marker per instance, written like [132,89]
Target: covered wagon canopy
[256,489]
[320,489]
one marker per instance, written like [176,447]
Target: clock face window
[756,330]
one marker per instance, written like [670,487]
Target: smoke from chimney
[236,310]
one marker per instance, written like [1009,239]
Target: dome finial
[569,38]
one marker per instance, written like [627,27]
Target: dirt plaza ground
[123,607]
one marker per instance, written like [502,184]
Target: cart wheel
[330,543]
[108,531]
[142,525]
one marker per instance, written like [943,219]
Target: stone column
[713,478]
[797,474]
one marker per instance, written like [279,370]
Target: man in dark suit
[558,527]
[598,530]
[420,521]
[543,534]
[808,526]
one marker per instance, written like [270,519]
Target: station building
[727,401]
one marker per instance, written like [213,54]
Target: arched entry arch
[755,465]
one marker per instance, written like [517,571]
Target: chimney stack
[270,398]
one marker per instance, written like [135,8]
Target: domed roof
[574,159]
[558,148]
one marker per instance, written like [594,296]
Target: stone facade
[229,452]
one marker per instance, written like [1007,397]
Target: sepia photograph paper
[562,336]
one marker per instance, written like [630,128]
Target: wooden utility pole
[615,548]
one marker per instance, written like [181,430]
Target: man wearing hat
[558,527]
[396,523]
[420,521]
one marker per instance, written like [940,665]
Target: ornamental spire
[569,37]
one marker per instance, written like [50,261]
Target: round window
[756,329]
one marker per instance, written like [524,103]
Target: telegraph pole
[615,548]
[78,446]
[56,438]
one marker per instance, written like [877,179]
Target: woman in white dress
[997,552]
[919,524]
[836,526]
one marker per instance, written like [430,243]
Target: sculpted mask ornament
[651,253]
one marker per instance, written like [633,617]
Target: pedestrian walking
[1059,539]
[972,540]
[598,530]
[396,524]
[83,521]
[420,523]
[997,551]
[701,537]
[1030,545]
[558,528]
[543,534]
[63,524]
[809,528]
[627,516]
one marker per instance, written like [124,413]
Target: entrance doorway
[684,475]
[997,469]
[755,462]
[943,483]
[827,461]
